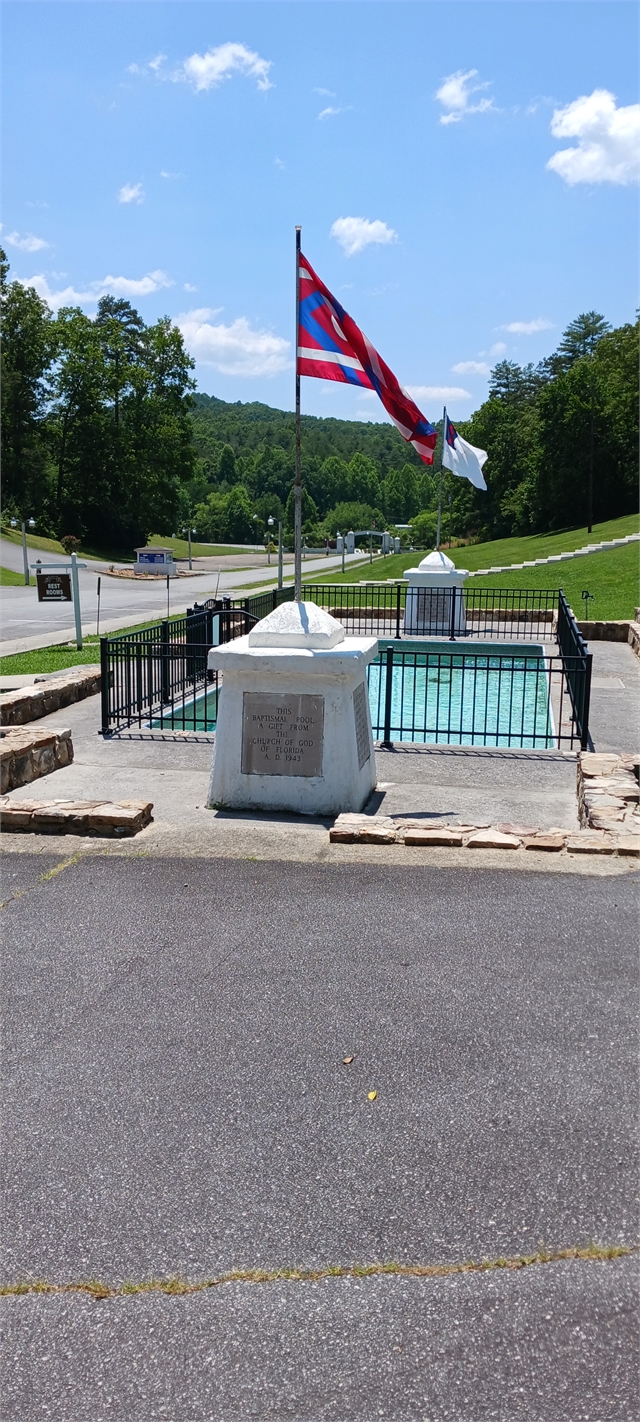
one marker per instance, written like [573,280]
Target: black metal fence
[158,677]
[478,698]
[398,610]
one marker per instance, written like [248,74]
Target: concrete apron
[444,785]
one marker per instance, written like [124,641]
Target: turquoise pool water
[475,695]
[478,695]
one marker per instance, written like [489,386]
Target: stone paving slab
[91,817]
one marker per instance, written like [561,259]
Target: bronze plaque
[363,739]
[282,735]
[54,587]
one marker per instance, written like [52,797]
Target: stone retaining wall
[609,792]
[620,631]
[31,702]
[26,755]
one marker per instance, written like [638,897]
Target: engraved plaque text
[282,735]
[363,742]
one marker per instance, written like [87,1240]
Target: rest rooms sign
[54,587]
[282,735]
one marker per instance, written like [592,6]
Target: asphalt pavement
[176,1103]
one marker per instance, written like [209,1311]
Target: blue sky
[166,152]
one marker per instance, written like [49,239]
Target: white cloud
[156,64]
[437,392]
[55,299]
[119,286]
[278,163]
[327,93]
[498,348]
[608,148]
[189,287]
[356,233]
[165,174]
[329,112]
[28,243]
[206,71]
[131,192]
[528,328]
[455,95]
[471,367]
[234,349]
[130,286]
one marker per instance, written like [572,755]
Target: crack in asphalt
[179,1287]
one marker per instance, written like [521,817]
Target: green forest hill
[105,439]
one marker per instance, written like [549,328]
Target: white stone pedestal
[428,607]
[294,727]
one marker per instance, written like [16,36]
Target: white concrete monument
[432,586]
[294,726]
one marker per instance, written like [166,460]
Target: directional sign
[54,587]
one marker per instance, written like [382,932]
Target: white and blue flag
[461,457]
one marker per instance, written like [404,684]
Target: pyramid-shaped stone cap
[436,562]
[297,624]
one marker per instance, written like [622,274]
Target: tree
[309,512]
[580,339]
[27,352]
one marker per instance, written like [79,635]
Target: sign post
[61,586]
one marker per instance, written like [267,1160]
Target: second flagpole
[444,431]
[297,508]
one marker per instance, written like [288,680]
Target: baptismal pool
[469,693]
[473,694]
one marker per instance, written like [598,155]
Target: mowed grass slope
[611,576]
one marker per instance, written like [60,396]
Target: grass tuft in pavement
[175,1286]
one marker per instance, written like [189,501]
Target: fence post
[586,703]
[164,659]
[398,609]
[452,629]
[388,693]
[104,684]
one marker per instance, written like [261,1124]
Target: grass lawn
[501,552]
[46,659]
[8,579]
[51,545]
[201,550]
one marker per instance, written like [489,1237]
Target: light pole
[25,555]
[279,552]
[269,526]
[189,531]
[255,520]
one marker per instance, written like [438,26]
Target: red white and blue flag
[332,347]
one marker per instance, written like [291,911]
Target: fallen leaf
[372,1095]
[347,1060]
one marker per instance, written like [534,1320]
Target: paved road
[176,1103]
[26,621]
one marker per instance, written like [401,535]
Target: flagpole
[297,513]
[444,426]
